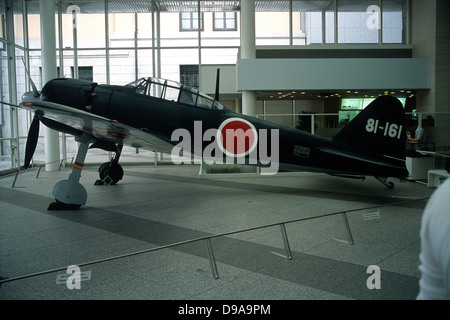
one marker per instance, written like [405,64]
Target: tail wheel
[110,173]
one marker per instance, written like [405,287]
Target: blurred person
[434,283]
[420,135]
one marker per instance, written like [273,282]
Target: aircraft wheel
[110,174]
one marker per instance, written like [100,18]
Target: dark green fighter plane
[168,117]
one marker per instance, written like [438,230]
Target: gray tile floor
[167,204]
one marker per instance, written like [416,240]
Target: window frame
[188,71]
[224,20]
[191,21]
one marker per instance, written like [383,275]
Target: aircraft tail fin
[378,130]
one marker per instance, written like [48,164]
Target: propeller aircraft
[163,116]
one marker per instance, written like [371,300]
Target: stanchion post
[39,171]
[347,226]
[15,178]
[286,241]
[212,260]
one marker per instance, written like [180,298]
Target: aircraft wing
[99,127]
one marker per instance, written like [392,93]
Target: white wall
[228,82]
[317,74]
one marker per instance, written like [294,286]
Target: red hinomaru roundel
[237,137]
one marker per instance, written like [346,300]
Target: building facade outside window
[84,73]
[189,75]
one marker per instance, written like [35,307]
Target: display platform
[418,166]
[436,177]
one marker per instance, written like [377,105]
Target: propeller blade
[36,93]
[33,137]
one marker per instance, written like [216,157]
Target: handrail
[208,241]
[40,167]
[259,115]
[265,116]
[60,164]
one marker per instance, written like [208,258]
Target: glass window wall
[394,21]
[312,22]
[83,24]
[18,23]
[358,21]
[272,23]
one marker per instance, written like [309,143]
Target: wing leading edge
[54,115]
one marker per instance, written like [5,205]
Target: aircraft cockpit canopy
[176,92]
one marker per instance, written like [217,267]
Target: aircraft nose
[29,96]
[63,91]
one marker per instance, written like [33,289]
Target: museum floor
[155,206]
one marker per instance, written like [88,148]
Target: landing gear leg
[70,194]
[383,180]
[111,172]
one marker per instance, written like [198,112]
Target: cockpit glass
[218,106]
[139,84]
[204,101]
[174,91]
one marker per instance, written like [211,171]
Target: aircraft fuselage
[162,113]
